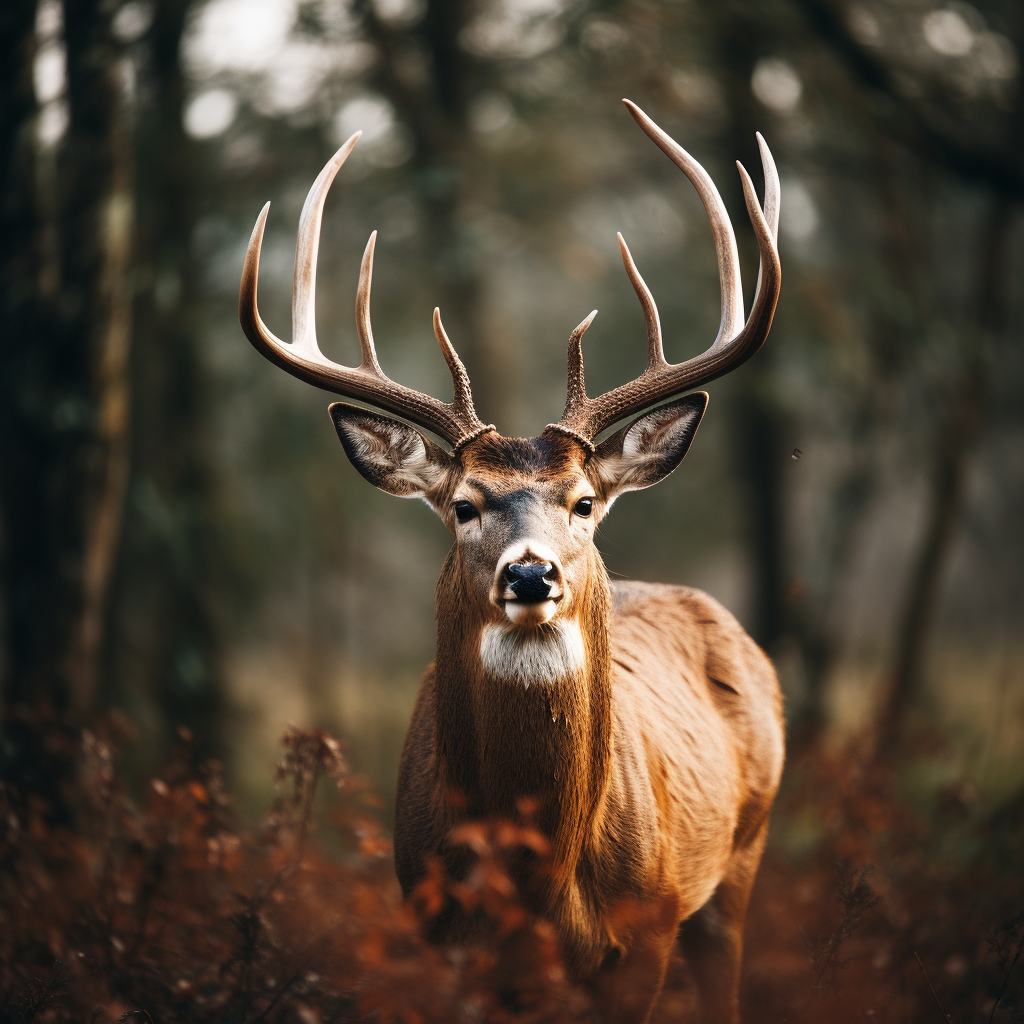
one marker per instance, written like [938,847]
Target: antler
[456,422]
[584,418]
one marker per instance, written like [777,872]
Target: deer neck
[502,740]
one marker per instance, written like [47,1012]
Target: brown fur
[655,769]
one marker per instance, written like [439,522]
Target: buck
[641,719]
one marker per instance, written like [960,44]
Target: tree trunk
[167,665]
[757,423]
[958,437]
[112,332]
[66,242]
[436,114]
[888,342]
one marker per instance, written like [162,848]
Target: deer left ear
[648,449]
[391,455]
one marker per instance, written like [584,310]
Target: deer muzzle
[528,584]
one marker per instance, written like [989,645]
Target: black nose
[527,581]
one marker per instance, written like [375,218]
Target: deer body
[640,720]
[654,767]
[684,755]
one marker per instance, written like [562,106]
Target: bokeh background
[182,537]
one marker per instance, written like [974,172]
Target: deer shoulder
[688,671]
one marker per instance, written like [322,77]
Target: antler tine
[363,328]
[771,186]
[462,400]
[248,313]
[457,423]
[577,405]
[577,391]
[771,199]
[769,276]
[306,247]
[655,348]
[585,418]
[721,226]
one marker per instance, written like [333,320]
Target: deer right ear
[648,449]
[391,455]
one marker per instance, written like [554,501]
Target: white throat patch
[541,655]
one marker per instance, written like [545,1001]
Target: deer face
[523,512]
[523,516]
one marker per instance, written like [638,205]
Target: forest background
[183,540]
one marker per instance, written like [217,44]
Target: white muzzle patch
[546,654]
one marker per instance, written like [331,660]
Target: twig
[856,898]
[1006,980]
[945,1016]
[283,986]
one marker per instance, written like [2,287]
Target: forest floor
[866,909]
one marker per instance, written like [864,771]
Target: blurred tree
[985,152]
[430,78]
[502,166]
[960,425]
[739,33]
[165,661]
[68,202]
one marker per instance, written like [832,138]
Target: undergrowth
[164,909]
[167,910]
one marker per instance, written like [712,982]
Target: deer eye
[584,507]
[464,511]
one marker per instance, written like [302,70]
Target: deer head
[523,512]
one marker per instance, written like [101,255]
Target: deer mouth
[531,599]
[530,613]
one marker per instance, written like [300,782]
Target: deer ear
[393,456]
[648,449]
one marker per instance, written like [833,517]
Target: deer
[641,719]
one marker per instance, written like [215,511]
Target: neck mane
[502,738]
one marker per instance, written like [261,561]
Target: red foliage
[165,910]
[890,913]
[169,911]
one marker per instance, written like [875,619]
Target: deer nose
[529,585]
[527,582]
